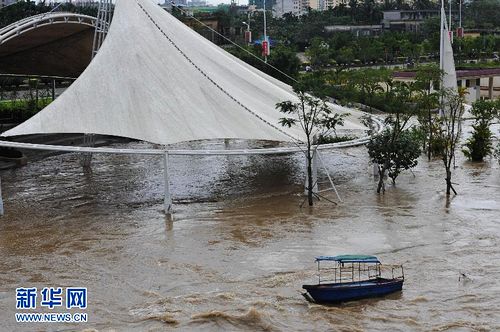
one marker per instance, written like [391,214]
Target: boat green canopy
[349,259]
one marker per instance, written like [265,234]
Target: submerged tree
[393,154]
[480,144]
[427,101]
[396,149]
[316,119]
[450,130]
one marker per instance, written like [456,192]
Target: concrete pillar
[490,87]
[478,89]
[469,97]
[474,89]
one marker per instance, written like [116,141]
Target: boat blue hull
[334,293]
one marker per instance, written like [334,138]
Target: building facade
[407,20]
[327,4]
[259,4]
[281,7]
[301,7]
[295,7]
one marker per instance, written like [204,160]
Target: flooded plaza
[239,245]
[238,248]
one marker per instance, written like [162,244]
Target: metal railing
[358,272]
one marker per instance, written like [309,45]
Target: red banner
[265,48]
[248,37]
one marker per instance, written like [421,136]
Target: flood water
[239,248]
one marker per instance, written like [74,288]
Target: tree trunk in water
[310,184]
[449,185]
[448,182]
[381,173]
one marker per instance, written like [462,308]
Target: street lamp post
[266,50]
[265,42]
[248,37]
[248,34]
[450,28]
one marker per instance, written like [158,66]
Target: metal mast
[104,16]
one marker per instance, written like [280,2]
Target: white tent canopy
[447,61]
[155,79]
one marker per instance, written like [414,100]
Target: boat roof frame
[349,259]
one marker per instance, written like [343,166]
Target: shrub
[480,145]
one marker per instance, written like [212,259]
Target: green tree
[345,56]
[368,81]
[427,100]
[393,154]
[318,52]
[480,144]
[284,59]
[450,130]
[482,13]
[396,149]
[316,119]
[423,5]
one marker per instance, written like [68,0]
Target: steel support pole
[265,32]
[328,175]
[53,89]
[167,195]
[249,31]
[450,28]
[315,171]
[1,200]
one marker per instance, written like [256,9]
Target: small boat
[353,277]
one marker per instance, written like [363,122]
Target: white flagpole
[441,45]
[449,26]
[441,54]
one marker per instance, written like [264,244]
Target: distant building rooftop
[461,73]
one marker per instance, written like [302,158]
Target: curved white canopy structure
[155,79]
[25,25]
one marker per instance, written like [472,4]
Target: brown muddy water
[239,248]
